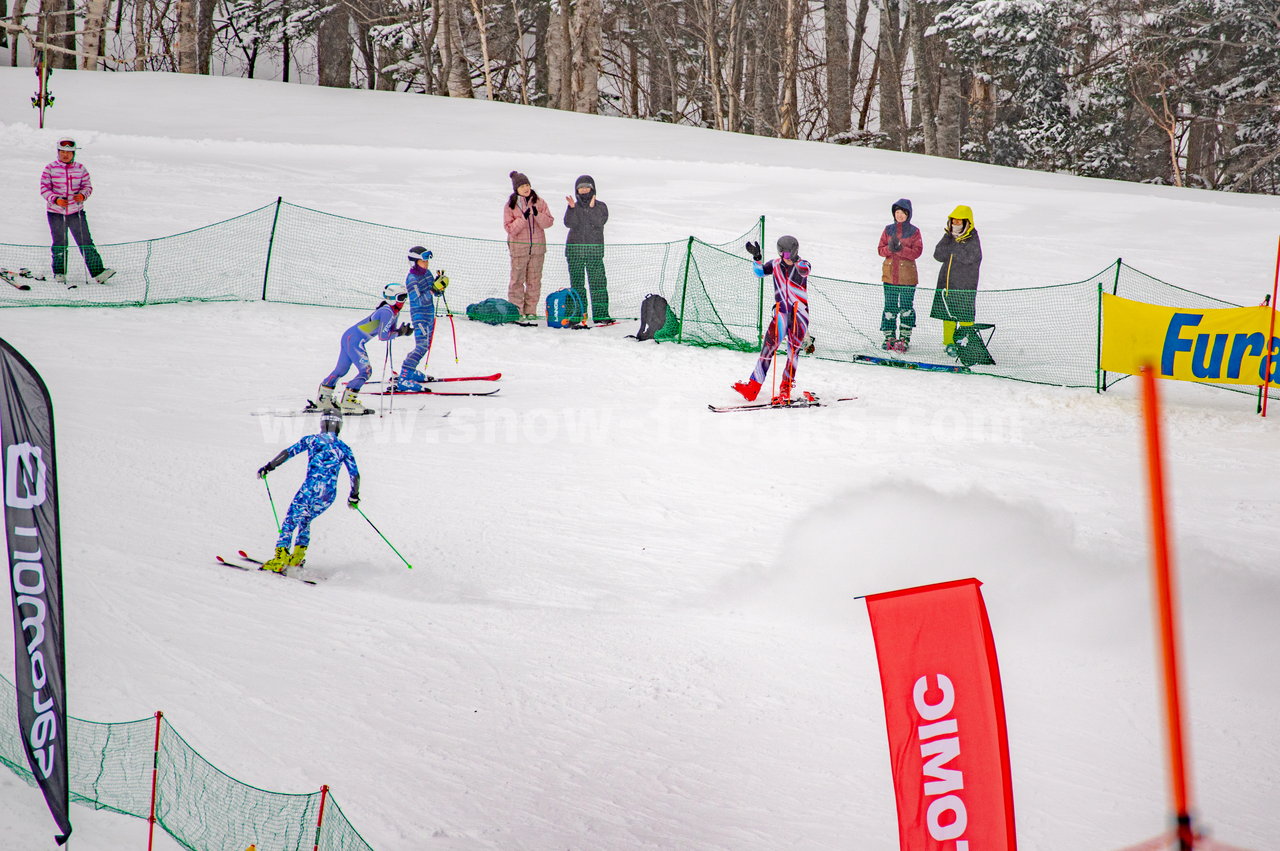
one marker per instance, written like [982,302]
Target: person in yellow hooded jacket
[960,253]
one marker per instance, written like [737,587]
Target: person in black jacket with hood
[585,218]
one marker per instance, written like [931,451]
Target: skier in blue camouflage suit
[423,287]
[325,454]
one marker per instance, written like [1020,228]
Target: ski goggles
[413,255]
[67,145]
[585,187]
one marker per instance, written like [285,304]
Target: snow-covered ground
[630,623]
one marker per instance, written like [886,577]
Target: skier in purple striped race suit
[382,324]
[790,316]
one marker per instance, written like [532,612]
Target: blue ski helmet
[331,421]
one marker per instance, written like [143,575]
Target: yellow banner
[1225,346]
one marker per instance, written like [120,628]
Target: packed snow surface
[630,623]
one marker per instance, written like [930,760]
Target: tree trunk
[334,47]
[587,16]
[789,119]
[926,65]
[482,25]
[204,36]
[457,76]
[95,21]
[839,92]
[559,76]
[58,22]
[187,50]
[893,118]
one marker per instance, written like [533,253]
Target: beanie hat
[518,180]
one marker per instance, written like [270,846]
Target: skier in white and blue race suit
[351,351]
[326,454]
[424,287]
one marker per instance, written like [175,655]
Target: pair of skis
[248,562]
[10,277]
[392,391]
[807,400]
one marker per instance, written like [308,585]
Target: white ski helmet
[393,293]
[66,144]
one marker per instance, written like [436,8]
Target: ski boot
[404,384]
[278,562]
[105,275]
[299,556]
[61,278]
[902,344]
[749,389]
[415,376]
[783,396]
[324,399]
[889,343]
[350,403]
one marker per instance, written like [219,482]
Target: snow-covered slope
[630,623]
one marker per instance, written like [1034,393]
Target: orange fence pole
[324,793]
[155,769]
[1271,333]
[1165,610]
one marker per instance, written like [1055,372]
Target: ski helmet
[789,247]
[418,253]
[67,145]
[393,293]
[331,421]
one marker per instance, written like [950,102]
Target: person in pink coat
[525,217]
[65,187]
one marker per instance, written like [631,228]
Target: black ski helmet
[417,253]
[331,421]
[788,244]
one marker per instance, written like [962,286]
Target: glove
[895,245]
[753,249]
[61,202]
[79,197]
[527,212]
[353,500]
[263,470]
[404,330]
[442,281]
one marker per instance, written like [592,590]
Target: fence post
[1115,287]
[324,793]
[760,305]
[155,768]
[271,242]
[1099,377]
[684,288]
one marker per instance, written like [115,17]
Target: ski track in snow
[631,623]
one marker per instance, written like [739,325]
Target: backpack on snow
[565,309]
[493,311]
[658,321]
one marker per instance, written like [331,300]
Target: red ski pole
[453,329]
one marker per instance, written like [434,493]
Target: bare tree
[893,119]
[839,92]
[790,118]
[334,46]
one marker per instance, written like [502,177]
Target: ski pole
[383,537]
[274,513]
[386,401]
[453,329]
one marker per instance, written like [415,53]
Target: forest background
[1181,92]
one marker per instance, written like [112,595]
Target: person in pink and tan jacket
[65,186]
[525,218]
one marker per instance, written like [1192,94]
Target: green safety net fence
[282,252]
[1046,334]
[201,807]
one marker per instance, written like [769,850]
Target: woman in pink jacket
[65,186]
[525,218]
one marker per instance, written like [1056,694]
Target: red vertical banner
[944,710]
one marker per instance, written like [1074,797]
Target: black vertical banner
[34,556]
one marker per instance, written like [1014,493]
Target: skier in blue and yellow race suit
[423,286]
[351,352]
[325,454]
